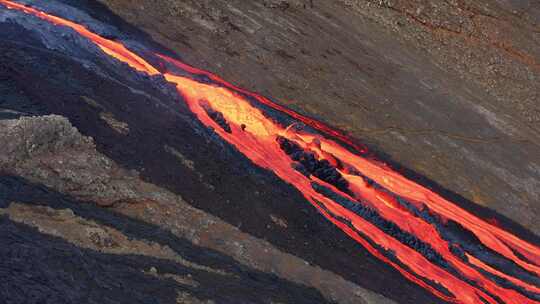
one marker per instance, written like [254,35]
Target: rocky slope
[53,181]
[446,88]
[111,193]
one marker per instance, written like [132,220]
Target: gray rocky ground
[106,197]
[48,150]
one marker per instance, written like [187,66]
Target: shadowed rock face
[48,150]
[98,263]
[140,200]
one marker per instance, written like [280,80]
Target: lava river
[456,255]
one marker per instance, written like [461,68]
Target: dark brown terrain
[110,193]
[449,89]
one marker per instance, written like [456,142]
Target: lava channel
[443,248]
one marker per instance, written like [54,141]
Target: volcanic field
[131,172]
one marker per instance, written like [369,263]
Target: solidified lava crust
[170,127]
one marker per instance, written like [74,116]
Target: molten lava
[404,224]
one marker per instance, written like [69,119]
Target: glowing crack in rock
[399,221]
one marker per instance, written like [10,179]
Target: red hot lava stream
[374,205]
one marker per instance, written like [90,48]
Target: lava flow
[456,255]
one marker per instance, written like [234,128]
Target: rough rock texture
[39,150]
[491,43]
[51,151]
[38,268]
[448,89]
[147,206]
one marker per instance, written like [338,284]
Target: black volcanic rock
[111,190]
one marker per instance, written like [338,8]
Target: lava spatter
[367,200]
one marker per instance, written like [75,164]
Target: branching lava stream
[421,234]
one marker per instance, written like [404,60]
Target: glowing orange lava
[257,136]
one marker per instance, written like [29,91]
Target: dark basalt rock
[164,120]
[217,117]
[36,267]
[306,162]
[388,227]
